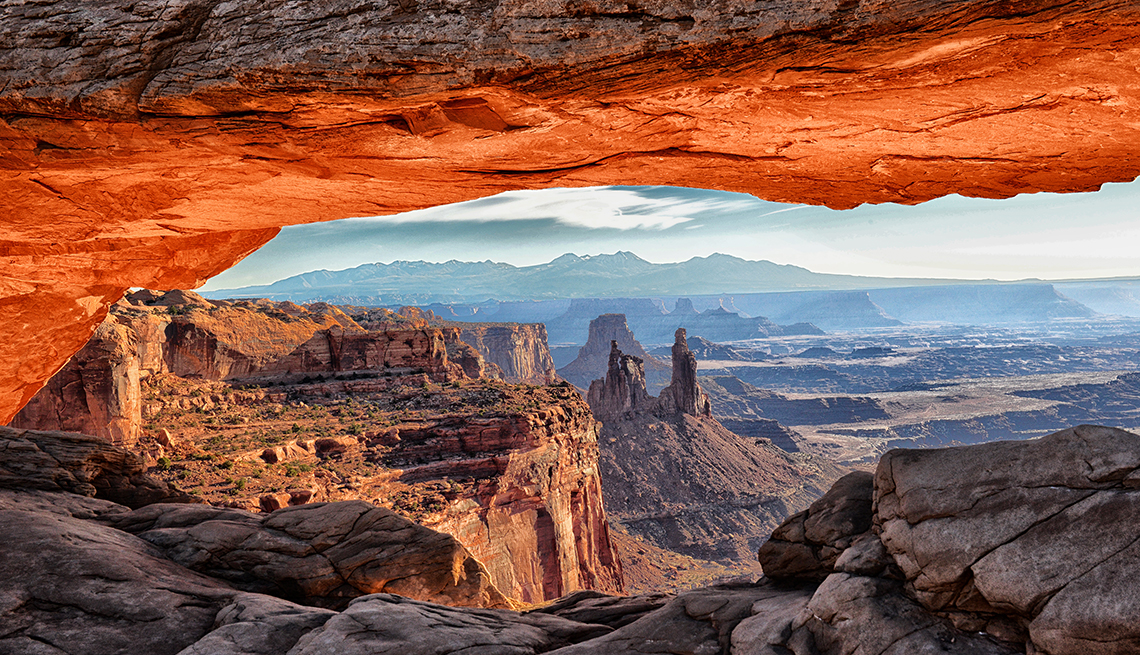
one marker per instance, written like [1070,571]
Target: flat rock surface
[384,624]
[72,586]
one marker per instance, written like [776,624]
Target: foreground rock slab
[322,554]
[80,464]
[988,581]
[1007,545]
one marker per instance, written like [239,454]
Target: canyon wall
[538,523]
[520,484]
[165,159]
[519,350]
[180,332]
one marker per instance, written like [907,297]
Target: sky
[1044,235]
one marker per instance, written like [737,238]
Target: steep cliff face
[594,358]
[510,471]
[97,393]
[180,332]
[538,524]
[248,391]
[677,478]
[519,350]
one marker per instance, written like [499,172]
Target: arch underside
[163,162]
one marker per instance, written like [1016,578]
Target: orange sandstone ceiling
[154,144]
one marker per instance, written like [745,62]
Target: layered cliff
[183,334]
[677,478]
[165,159]
[309,406]
[519,350]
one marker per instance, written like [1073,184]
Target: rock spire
[622,392]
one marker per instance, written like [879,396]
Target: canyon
[258,405]
[153,145]
[940,550]
[165,159]
[850,397]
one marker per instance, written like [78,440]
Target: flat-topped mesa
[622,393]
[99,390]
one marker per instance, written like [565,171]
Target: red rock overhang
[157,144]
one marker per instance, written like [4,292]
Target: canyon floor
[851,396]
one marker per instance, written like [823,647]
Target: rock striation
[519,350]
[169,157]
[536,516]
[608,331]
[622,393]
[993,549]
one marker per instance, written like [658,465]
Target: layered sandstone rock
[964,551]
[536,517]
[182,333]
[519,350]
[97,392]
[594,358]
[529,500]
[684,394]
[164,159]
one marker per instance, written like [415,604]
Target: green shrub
[164,463]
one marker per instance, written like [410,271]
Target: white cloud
[589,208]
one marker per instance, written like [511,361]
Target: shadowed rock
[80,464]
[807,544]
[322,554]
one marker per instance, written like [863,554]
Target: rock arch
[155,144]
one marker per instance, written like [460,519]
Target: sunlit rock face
[155,144]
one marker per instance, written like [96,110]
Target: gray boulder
[807,544]
[1034,540]
[322,554]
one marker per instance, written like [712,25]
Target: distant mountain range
[568,292]
[622,274]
